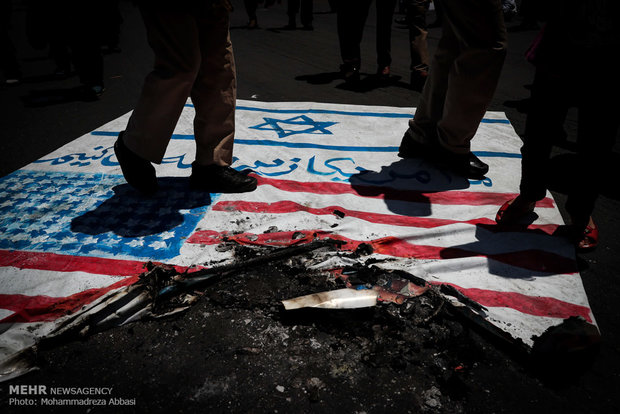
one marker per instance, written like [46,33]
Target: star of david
[297,125]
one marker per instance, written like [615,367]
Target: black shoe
[89,93]
[466,165]
[383,73]
[218,179]
[350,72]
[138,172]
[409,148]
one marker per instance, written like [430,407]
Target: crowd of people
[194,58]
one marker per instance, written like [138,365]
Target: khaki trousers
[193,58]
[463,74]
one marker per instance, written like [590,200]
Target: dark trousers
[250,8]
[553,93]
[351,19]
[418,32]
[75,34]
[8,55]
[193,58]
[463,74]
[294,7]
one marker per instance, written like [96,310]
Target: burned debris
[421,341]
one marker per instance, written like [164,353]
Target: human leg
[351,18]
[423,126]
[549,104]
[250,9]
[173,36]
[385,15]
[292,8]
[214,93]
[545,119]
[462,78]
[214,98]
[472,78]
[84,39]
[598,126]
[418,44]
[307,8]
[9,64]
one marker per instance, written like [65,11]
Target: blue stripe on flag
[350,148]
[270,143]
[349,113]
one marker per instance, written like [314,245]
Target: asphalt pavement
[39,116]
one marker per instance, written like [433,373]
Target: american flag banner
[72,230]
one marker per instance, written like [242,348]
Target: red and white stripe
[523,274]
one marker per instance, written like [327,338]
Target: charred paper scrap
[394,290]
[335,299]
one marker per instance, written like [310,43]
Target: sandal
[589,239]
[511,212]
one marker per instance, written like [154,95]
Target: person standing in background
[10,64]
[351,19]
[418,44]
[305,8]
